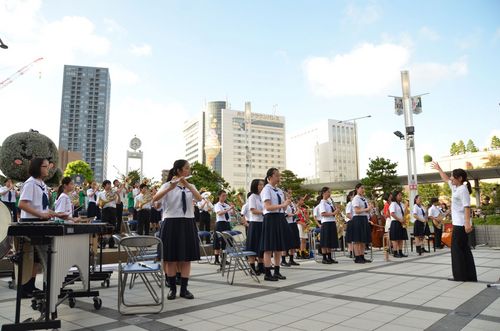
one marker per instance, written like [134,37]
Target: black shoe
[366,260]
[294,263]
[403,255]
[424,250]
[284,264]
[326,262]
[334,261]
[171,295]
[186,295]
[270,278]
[358,260]
[277,275]
[396,255]
[453,280]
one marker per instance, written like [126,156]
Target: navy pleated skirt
[180,240]
[294,236]
[220,226]
[360,230]
[421,229]
[397,232]
[275,233]
[253,237]
[328,237]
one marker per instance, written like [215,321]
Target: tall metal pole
[410,138]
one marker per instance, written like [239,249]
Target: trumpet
[110,196]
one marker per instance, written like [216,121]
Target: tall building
[84,125]
[239,145]
[325,152]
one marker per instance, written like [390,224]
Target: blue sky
[314,59]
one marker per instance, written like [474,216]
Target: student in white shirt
[121,192]
[92,209]
[253,243]
[328,237]
[222,222]
[462,260]
[34,205]
[8,196]
[142,203]
[294,243]
[275,230]
[361,231]
[63,205]
[397,232]
[206,208]
[107,200]
[436,216]
[178,231]
[420,226]
[349,213]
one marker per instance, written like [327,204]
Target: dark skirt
[328,237]
[397,232]
[275,233]
[421,229]
[294,236]
[361,231]
[253,237]
[348,232]
[180,240]
[92,210]
[462,260]
[220,226]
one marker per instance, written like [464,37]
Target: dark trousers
[205,223]
[462,261]
[119,217]
[13,209]
[438,233]
[144,220]
[109,215]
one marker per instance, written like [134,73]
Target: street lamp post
[355,139]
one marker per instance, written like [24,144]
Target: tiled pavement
[404,294]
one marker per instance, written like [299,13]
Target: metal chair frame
[140,263]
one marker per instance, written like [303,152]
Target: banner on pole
[398,105]
[416,105]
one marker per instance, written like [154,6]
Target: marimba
[60,247]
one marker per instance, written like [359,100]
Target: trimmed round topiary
[18,149]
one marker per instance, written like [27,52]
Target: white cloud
[469,41]
[429,34]
[142,50]
[18,19]
[363,71]
[158,125]
[114,27]
[362,15]
[432,72]
[119,74]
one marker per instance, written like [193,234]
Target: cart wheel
[97,303]
[11,284]
[72,302]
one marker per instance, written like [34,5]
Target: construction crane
[18,73]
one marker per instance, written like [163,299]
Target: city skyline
[304,62]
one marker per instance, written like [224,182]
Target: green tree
[79,167]
[206,178]
[446,191]
[471,148]
[289,180]
[133,177]
[428,191]
[495,142]
[493,161]
[461,147]
[381,177]
[427,158]
[453,149]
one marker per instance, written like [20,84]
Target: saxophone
[340,221]
[110,196]
[146,198]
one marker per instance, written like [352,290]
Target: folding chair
[202,236]
[234,252]
[141,263]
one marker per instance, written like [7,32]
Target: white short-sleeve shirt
[460,199]
[207,207]
[218,207]
[245,211]
[138,199]
[254,202]
[419,211]
[33,191]
[92,195]
[172,202]
[397,209]
[434,211]
[316,213]
[63,205]
[325,207]
[348,210]
[102,196]
[270,193]
[360,202]
[290,209]
[4,193]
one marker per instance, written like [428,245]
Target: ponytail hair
[60,189]
[178,165]
[270,173]
[460,173]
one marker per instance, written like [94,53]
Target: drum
[5,220]
[446,239]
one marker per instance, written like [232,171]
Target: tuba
[110,196]
[146,198]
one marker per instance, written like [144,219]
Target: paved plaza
[404,294]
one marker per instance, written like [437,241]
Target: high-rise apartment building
[325,152]
[239,145]
[84,125]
